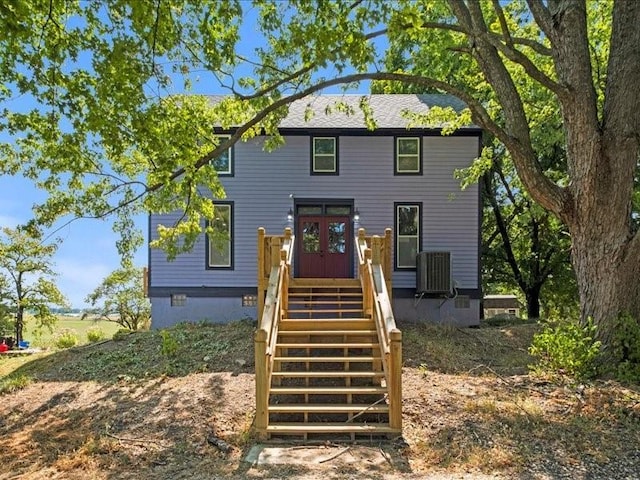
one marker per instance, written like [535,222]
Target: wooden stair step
[329,427]
[329,345]
[326,359]
[324,310]
[325,294]
[324,283]
[370,390]
[327,374]
[324,302]
[329,408]
[293,324]
[327,332]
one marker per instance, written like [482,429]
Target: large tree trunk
[603,153]
[533,302]
[607,263]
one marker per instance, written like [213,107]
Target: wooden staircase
[327,379]
[328,353]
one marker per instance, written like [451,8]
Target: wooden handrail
[374,270]
[274,256]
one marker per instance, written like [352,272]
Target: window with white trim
[408,226]
[408,156]
[224,163]
[220,239]
[324,155]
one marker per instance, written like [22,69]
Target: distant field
[44,338]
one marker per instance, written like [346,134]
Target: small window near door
[324,156]
[408,225]
[408,160]
[311,237]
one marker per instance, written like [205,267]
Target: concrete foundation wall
[223,310]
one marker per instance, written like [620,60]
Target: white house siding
[261,189]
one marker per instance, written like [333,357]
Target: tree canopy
[120,298]
[106,130]
[26,278]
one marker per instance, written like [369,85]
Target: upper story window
[408,226]
[224,163]
[324,156]
[408,158]
[220,242]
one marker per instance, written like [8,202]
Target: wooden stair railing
[328,355]
[274,271]
[374,269]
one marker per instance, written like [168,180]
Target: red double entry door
[324,246]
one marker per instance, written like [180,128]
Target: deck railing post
[395,380]
[361,241]
[288,234]
[284,294]
[262,378]
[261,277]
[375,250]
[387,264]
[367,294]
[275,251]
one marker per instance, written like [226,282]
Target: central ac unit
[433,272]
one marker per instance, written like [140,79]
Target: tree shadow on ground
[114,428]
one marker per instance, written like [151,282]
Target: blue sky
[88,252]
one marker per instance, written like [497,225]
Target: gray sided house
[332,177]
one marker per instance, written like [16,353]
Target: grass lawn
[44,338]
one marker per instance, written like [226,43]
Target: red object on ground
[3,347]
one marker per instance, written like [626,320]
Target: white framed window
[220,240]
[408,222]
[324,155]
[408,159]
[224,163]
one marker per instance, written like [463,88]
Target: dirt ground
[484,422]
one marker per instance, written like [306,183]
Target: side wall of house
[263,189]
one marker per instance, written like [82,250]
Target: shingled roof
[388,110]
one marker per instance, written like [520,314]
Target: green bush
[566,348]
[95,334]
[169,345]
[66,339]
[121,334]
[626,349]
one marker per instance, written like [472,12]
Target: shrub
[169,345]
[95,334]
[66,339]
[566,348]
[626,349]
[121,334]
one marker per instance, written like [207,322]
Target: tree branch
[534,72]
[516,134]
[543,18]
[506,34]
